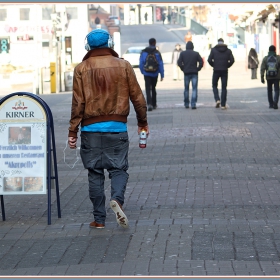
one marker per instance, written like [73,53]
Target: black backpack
[271,66]
[151,63]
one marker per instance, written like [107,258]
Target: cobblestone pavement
[202,198]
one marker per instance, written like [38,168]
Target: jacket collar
[100,52]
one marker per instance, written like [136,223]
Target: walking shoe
[275,106]
[223,107]
[94,224]
[218,104]
[187,107]
[150,108]
[194,107]
[120,216]
[154,107]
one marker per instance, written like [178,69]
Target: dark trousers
[100,151]
[150,87]
[270,84]
[224,78]
[254,73]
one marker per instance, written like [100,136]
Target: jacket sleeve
[78,105]
[200,62]
[180,62]
[231,59]
[263,66]
[137,98]
[161,68]
[210,58]
[142,62]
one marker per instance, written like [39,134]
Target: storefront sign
[23,156]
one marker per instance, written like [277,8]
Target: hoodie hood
[221,47]
[189,46]
[150,49]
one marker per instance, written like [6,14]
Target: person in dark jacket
[151,78]
[220,58]
[272,81]
[253,63]
[190,63]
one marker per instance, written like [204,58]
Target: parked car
[116,19]
[132,55]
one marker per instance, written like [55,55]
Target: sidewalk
[202,198]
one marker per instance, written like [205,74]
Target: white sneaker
[218,104]
[120,216]
[223,107]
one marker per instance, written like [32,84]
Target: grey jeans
[99,151]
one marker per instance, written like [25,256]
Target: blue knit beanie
[98,38]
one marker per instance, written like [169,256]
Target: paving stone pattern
[202,198]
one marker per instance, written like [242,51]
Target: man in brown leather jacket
[103,85]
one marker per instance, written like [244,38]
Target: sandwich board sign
[23,130]
[27,148]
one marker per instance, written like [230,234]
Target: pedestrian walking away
[146,17]
[270,70]
[253,63]
[221,59]
[177,73]
[190,62]
[151,65]
[103,85]
[163,17]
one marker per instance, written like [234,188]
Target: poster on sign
[23,149]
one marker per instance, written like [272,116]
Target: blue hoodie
[143,56]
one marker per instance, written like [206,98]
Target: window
[46,13]
[24,13]
[72,12]
[3,14]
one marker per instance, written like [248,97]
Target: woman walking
[253,63]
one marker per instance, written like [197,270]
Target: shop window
[24,13]
[72,12]
[3,14]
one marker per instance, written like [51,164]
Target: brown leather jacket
[103,84]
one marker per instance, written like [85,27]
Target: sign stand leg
[3,208]
[55,170]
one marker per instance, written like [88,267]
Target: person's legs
[194,78]
[180,72]
[186,91]
[148,84]
[154,92]
[175,72]
[91,151]
[224,79]
[115,160]
[96,194]
[276,93]
[215,79]
[254,73]
[269,93]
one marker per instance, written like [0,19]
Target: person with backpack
[270,67]
[190,63]
[151,65]
[221,59]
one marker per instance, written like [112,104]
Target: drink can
[143,139]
